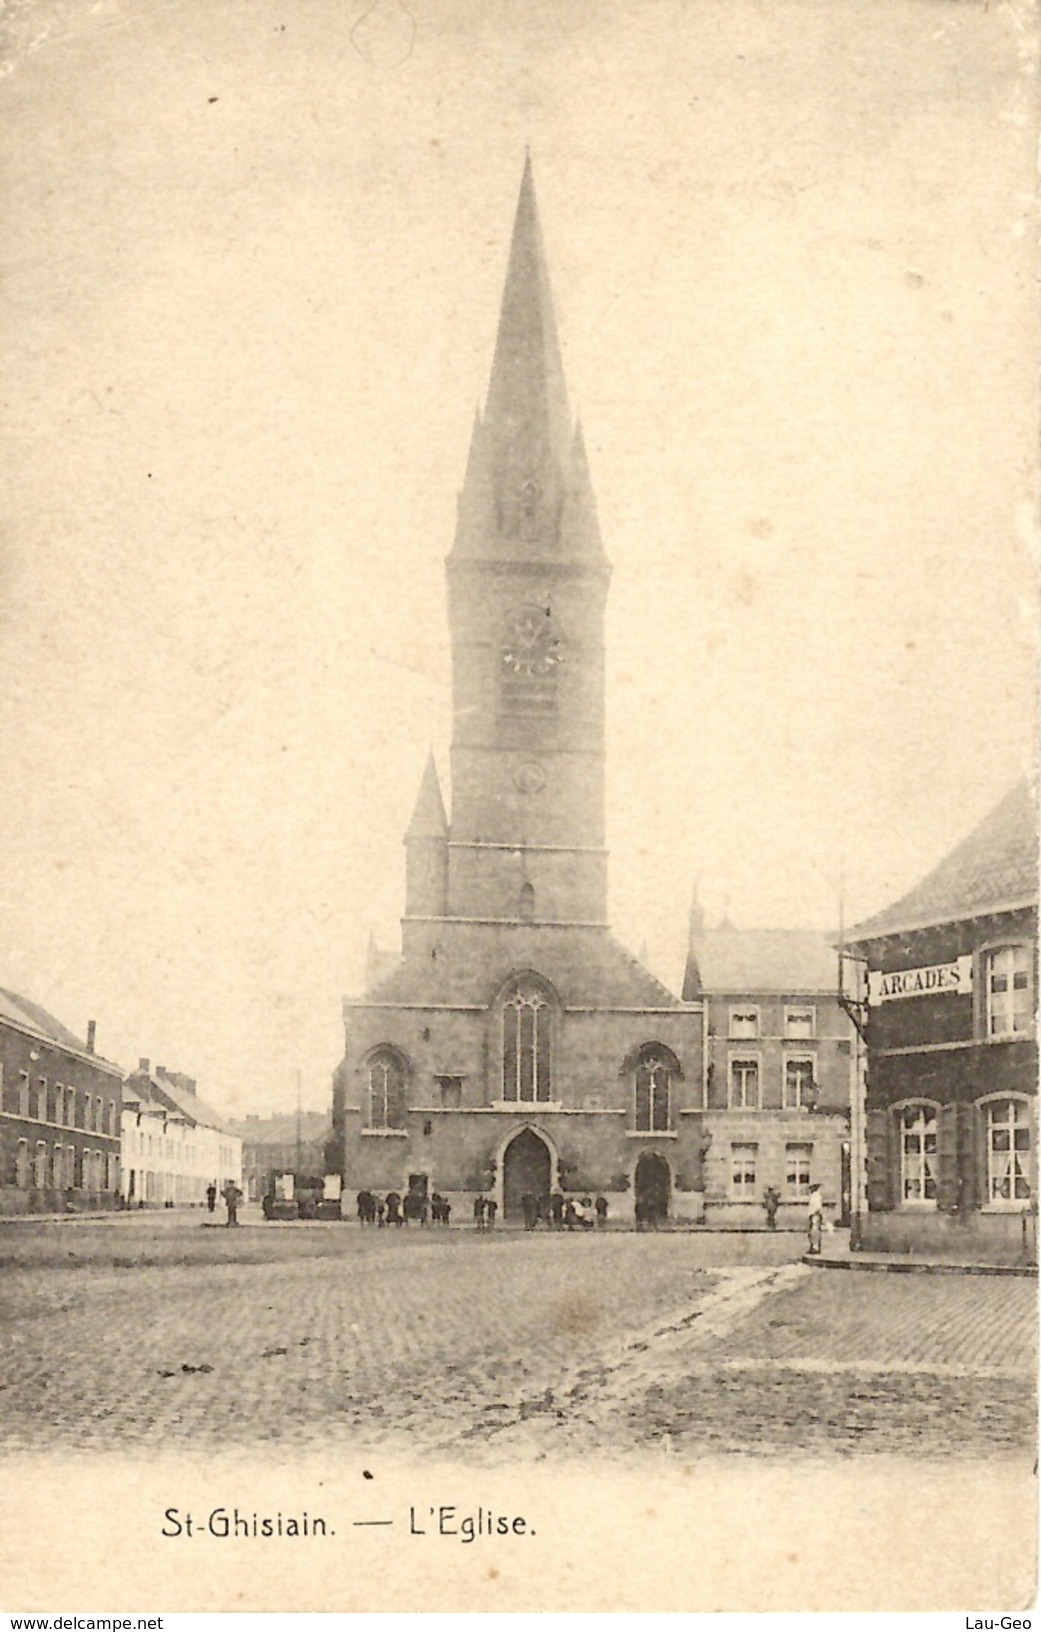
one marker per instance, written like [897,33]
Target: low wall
[997,1238]
[17,1203]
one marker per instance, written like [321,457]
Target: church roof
[738,961]
[602,974]
[993,869]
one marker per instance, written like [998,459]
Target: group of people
[560,1212]
[415,1207]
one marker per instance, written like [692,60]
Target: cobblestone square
[163,1333]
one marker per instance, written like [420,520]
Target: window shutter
[948,1143]
[880,1179]
[970,1155]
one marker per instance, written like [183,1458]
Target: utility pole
[299,1140]
[856,1008]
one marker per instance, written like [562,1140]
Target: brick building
[516,1046]
[174,1145]
[59,1115]
[777,1071]
[283,1144]
[951,1096]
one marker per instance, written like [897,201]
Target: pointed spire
[527,396]
[527,491]
[429,820]
[692,987]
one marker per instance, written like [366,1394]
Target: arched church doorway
[526,1171]
[652,1186]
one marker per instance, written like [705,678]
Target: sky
[252,257]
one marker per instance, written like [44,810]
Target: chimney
[160,1070]
[91,1028]
[144,1065]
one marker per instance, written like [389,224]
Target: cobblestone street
[147,1333]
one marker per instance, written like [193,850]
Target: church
[516,1047]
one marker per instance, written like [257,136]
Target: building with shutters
[952,1065]
[59,1115]
[516,1047]
[778,1060]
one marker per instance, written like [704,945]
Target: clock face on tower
[531,646]
[531,656]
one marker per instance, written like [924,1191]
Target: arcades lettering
[933,980]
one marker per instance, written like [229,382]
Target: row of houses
[79,1135]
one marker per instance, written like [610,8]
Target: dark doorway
[526,1171]
[419,1184]
[653,1187]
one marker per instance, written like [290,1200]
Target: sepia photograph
[519,620]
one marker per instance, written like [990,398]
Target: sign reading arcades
[928,982]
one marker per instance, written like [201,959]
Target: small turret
[692,988]
[426,850]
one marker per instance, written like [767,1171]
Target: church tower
[517,1047]
[527,581]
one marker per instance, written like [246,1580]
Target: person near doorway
[530,1208]
[211,1196]
[491,1207]
[479,1209]
[600,1208]
[556,1209]
[815,1219]
[771,1202]
[394,1213]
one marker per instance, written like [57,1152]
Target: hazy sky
[252,259]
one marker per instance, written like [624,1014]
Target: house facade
[516,1047]
[174,1145]
[951,1098]
[59,1115]
[778,1060]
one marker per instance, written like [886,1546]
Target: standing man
[771,1201]
[232,1197]
[815,1219]
[211,1195]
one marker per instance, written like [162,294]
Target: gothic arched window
[526,1036]
[654,1073]
[386,1095]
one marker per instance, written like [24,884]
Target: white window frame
[742,1011]
[988,958]
[791,1012]
[794,1151]
[745,1057]
[746,1153]
[794,1058]
[928,1111]
[990,1105]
